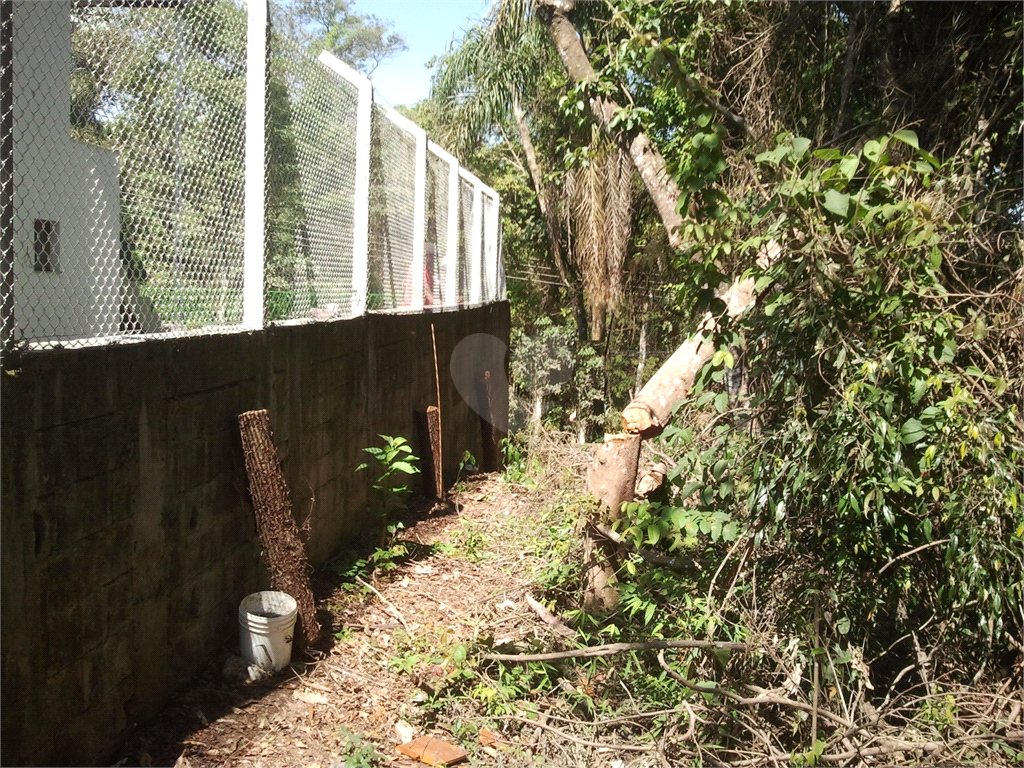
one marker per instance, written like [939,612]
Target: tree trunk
[650,411]
[538,408]
[642,357]
[549,214]
[853,41]
[550,219]
[600,584]
[612,476]
[611,479]
[645,154]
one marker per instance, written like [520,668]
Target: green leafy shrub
[395,463]
[882,444]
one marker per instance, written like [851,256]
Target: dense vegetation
[846,470]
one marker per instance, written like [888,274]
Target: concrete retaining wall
[127,536]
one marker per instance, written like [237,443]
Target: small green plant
[466,542]
[356,752]
[519,465]
[395,461]
[468,463]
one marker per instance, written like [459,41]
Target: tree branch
[611,649]
[763,697]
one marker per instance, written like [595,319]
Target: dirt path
[393,645]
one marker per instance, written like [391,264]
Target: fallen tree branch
[898,745]
[685,708]
[649,555]
[574,739]
[613,648]
[763,697]
[549,618]
[387,604]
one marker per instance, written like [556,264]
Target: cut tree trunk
[612,476]
[651,481]
[651,410]
[600,584]
[611,479]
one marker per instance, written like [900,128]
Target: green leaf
[840,360]
[716,530]
[848,167]
[907,137]
[689,489]
[719,469]
[827,154]
[406,467]
[948,352]
[722,402]
[920,387]
[843,625]
[800,147]
[912,432]
[837,202]
[931,159]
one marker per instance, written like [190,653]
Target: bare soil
[338,701]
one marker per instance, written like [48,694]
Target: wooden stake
[434,435]
[439,464]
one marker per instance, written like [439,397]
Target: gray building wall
[60,180]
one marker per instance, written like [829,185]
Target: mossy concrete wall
[127,536]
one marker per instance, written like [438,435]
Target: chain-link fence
[130,144]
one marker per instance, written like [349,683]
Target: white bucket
[266,622]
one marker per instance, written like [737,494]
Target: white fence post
[491,242]
[450,259]
[419,205]
[475,253]
[502,289]
[361,195]
[255,109]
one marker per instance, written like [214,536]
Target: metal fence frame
[473,255]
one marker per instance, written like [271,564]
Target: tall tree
[646,156]
[490,75]
[361,40]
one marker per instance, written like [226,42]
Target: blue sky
[428,28]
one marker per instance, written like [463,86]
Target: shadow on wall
[127,539]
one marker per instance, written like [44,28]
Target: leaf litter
[350,699]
